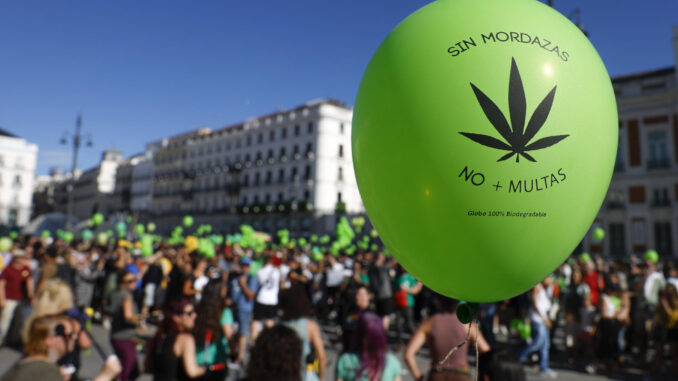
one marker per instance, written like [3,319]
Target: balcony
[615,205]
[662,163]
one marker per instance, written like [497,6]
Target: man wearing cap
[243,291]
[16,285]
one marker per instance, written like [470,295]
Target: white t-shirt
[269,285]
[335,275]
[653,283]
[543,305]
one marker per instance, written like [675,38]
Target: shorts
[244,319]
[384,306]
[265,311]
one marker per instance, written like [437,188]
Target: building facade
[18,159]
[142,181]
[290,169]
[93,189]
[641,208]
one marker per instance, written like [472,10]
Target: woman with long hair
[368,358]
[56,297]
[214,329]
[276,355]
[171,353]
[296,315]
[443,331]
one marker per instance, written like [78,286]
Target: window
[246,181]
[284,132]
[267,198]
[270,155]
[269,177]
[258,156]
[238,143]
[297,129]
[309,148]
[341,128]
[249,140]
[280,196]
[658,156]
[310,127]
[341,174]
[617,239]
[281,176]
[294,173]
[260,138]
[339,197]
[662,238]
[247,158]
[307,172]
[256,198]
[282,152]
[17,180]
[271,135]
[638,232]
[660,197]
[257,178]
[1,161]
[295,150]
[637,194]
[307,195]
[341,150]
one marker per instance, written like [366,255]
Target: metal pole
[71,186]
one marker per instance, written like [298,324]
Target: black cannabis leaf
[517,136]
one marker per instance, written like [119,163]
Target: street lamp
[76,140]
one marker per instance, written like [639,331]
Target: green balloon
[86,235]
[150,227]
[652,256]
[188,221]
[102,239]
[585,257]
[5,244]
[317,256]
[46,234]
[146,245]
[139,229]
[497,175]
[128,219]
[68,236]
[98,219]
[120,226]
[13,235]
[598,234]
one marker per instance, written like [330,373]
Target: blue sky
[142,70]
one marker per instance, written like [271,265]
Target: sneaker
[590,369]
[549,373]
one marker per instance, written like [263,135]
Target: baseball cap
[245,261]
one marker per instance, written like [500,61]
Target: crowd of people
[272,314]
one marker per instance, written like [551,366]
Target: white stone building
[641,208]
[142,180]
[18,160]
[290,169]
[94,187]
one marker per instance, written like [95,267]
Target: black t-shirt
[153,275]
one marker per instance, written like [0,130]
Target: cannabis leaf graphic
[517,136]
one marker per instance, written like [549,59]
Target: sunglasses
[189,313]
[60,330]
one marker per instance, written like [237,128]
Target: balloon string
[477,354]
[456,347]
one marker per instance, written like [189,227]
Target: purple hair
[369,343]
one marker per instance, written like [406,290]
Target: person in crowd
[125,322]
[360,305]
[276,355]
[16,288]
[407,287]
[48,338]
[171,353]
[540,306]
[368,358]
[213,329]
[296,310]
[443,331]
[381,284]
[57,298]
[667,318]
[266,301]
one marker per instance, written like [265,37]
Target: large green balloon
[5,244]
[484,140]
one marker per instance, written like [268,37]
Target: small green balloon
[598,234]
[146,245]
[652,256]
[86,235]
[469,89]
[188,221]
[317,256]
[102,239]
[5,244]
[139,229]
[121,226]
[13,235]
[98,219]
[68,236]
[150,227]
[46,234]
[128,219]
[585,257]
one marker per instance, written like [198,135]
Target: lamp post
[75,140]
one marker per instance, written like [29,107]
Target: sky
[139,71]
